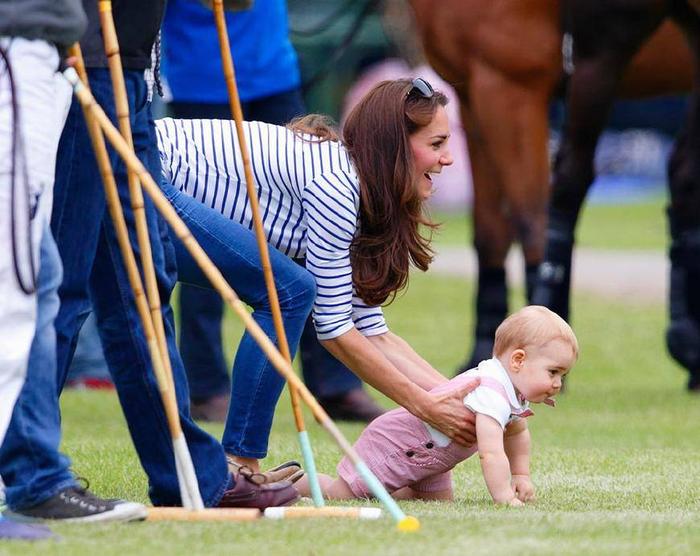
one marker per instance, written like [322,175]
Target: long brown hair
[376,135]
[389,238]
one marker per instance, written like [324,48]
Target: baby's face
[542,368]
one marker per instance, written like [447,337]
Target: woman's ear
[517,358]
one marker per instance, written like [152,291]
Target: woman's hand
[446,412]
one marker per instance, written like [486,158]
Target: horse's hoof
[683,343]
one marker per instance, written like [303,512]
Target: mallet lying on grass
[293,512]
[243,514]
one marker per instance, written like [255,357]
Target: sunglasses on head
[421,87]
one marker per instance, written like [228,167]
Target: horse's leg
[605,38]
[518,149]
[507,133]
[492,239]
[683,333]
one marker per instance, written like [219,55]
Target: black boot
[683,332]
[491,309]
[554,276]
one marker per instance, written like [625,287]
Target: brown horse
[606,34]
[504,58]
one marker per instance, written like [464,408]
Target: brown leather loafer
[247,494]
[288,471]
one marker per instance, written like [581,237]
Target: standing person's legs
[30,463]
[79,205]
[121,331]
[35,428]
[39,484]
[80,185]
[22,173]
[88,369]
[18,308]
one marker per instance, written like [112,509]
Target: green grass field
[616,464]
[639,225]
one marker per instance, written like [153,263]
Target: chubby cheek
[550,386]
[541,386]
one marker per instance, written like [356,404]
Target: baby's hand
[523,487]
[515,503]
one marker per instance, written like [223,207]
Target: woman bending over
[350,208]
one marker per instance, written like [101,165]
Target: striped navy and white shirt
[309,201]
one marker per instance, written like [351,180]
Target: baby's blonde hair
[533,325]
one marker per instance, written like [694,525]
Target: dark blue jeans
[233,249]
[201,310]
[93,270]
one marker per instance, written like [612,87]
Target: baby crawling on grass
[534,348]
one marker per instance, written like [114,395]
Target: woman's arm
[404,377]
[407,361]
[331,205]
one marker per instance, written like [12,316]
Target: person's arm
[405,382]
[331,205]
[406,360]
[517,447]
[494,461]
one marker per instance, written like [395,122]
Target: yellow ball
[409,524]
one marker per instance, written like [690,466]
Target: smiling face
[430,152]
[537,373]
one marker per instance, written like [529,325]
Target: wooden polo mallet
[121,104]
[237,114]
[190,494]
[404,522]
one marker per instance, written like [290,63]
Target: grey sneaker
[75,504]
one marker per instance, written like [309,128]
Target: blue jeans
[93,270]
[233,249]
[30,464]
[202,310]
[88,360]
